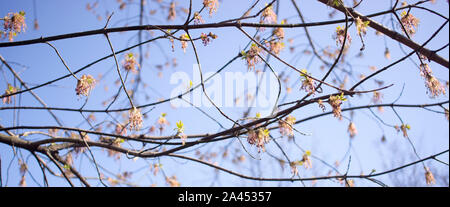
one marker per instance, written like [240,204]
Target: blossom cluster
[340,37]
[212,5]
[259,137]
[308,84]
[135,119]
[162,122]
[286,126]
[252,56]
[361,26]
[336,102]
[130,63]
[85,85]
[435,88]
[268,16]
[352,130]
[13,24]
[409,22]
[184,41]
[172,12]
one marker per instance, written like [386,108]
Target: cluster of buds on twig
[206,38]
[198,19]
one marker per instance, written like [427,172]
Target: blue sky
[329,139]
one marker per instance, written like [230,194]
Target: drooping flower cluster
[308,84]
[85,85]
[260,137]
[340,36]
[13,24]
[352,130]
[429,178]
[279,32]
[162,122]
[350,183]
[336,102]
[361,26]
[212,5]
[321,105]
[377,97]
[184,41]
[23,169]
[10,90]
[306,161]
[252,56]
[294,169]
[275,46]
[387,54]
[286,126]
[409,22]
[268,16]
[172,181]
[130,63]
[135,119]
[435,88]
[172,12]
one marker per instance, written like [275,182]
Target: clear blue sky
[329,139]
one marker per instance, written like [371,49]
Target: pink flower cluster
[85,85]
[13,23]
